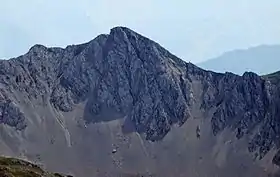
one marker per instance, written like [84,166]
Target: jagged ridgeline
[122,104]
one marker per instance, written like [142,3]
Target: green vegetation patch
[11,167]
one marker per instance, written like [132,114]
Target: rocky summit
[122,105]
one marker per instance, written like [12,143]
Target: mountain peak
[129,35]
[122,29]
[37,47]
[115,97]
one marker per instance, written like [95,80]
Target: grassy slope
[11,167]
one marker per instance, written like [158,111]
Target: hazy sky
[194,30]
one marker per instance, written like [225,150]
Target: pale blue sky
[194,30]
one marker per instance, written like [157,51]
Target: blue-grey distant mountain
[262,60]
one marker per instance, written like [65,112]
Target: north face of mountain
[121,104]
[262,59]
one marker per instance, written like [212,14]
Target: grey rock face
[124,74]
[11,115]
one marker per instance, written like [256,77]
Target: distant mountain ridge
[263,59]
